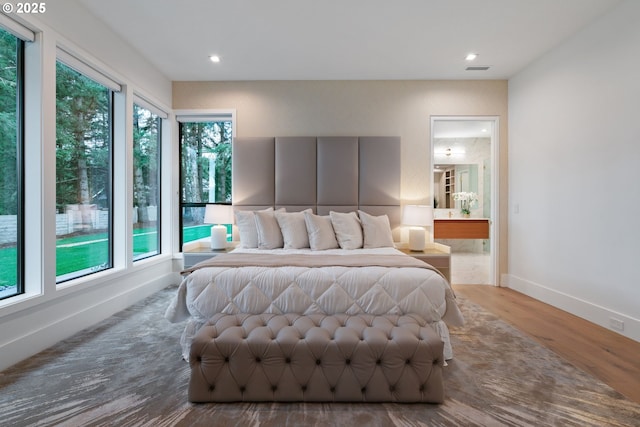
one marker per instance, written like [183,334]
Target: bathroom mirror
[452,178]
[461,163]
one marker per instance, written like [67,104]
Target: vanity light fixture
[471,56]
[448,152]
[214,58]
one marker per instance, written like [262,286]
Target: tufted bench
[291,357]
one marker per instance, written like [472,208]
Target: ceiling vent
[478,68]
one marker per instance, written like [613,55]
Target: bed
[316,218]
[375,281]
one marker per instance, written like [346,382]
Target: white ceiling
[344,39]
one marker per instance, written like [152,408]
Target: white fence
[75,219]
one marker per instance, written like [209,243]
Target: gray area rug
[127,371]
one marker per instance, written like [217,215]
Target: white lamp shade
[417,215]
[218,214]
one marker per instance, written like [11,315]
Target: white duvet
[325,290]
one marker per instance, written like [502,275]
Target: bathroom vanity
[461,228]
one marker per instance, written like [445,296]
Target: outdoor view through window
[146,183]
[10,179]
[83,175]
[205,173]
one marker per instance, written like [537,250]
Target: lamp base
[416,239]
[218,237]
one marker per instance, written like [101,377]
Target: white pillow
[293,228]
[376,231]
[269,234]
[320,230]
[348,229]
[246,223]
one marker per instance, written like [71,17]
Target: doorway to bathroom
[464,171]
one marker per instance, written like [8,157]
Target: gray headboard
[322,173]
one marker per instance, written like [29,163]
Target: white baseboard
[34,341]
[589,311]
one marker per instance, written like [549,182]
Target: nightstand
[438,256]
[192,256]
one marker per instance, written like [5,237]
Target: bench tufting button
[348,361]
[332,389]
[242,389]
[363,390]
[274,388]
[392,389]
[258,359]
[304,388]
[199,359]
[287,360]
[318,361]
[226,359]
[212,387]
[435,361]
[408,361]
[422,387]
[378,362]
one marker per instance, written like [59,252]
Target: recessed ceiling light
[471,56]
[214,58]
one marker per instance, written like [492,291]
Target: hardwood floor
[606,355]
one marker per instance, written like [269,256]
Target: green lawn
[7,267]
[84,253]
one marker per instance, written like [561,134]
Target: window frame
[195,116]
[160,117]
[20,169]
[87,71]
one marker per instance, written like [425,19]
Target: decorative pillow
[293,228]
[246,223]
[269,234]
[347,228]
[320,231]
[376,231]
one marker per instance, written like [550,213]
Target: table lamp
[218,215]
[417,217]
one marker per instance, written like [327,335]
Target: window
[11,179]
[146,182]
[205,170]
[83,174]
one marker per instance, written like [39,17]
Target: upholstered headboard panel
[322,173]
